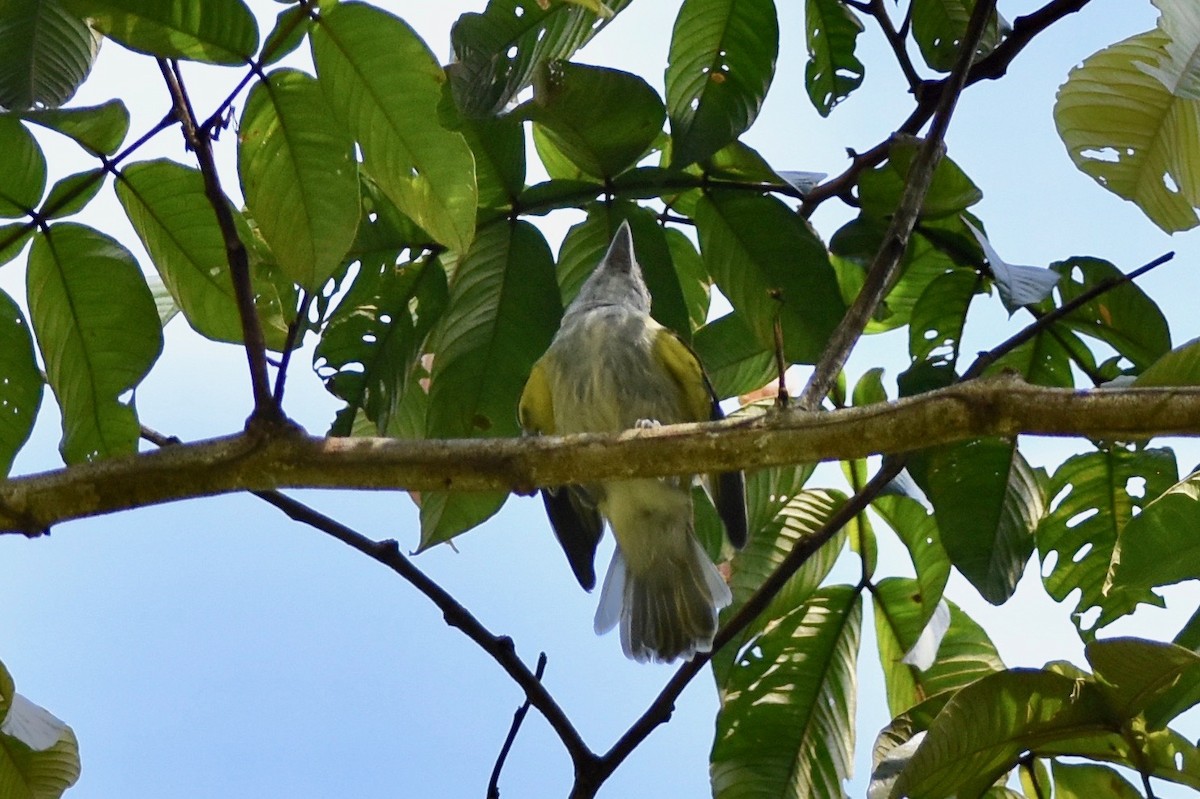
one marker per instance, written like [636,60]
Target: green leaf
[586,243]
[98,128]
[503,311]
[167,206]
[69,195]
[1130,134]
[1159,546]
[164,303]
[17,235]
[720,65]
[98,332]
[385,85]
[602,120]
[1124,317]
[938,27]
[1155,680]
[39,755]
[21,386]
[1176,66]
[693,277]
[291,26]
[736,363]
[781,516]
[869,389]
[1093,502]
[950,192]
[211,31]
[497,52]
[863,541]
[786,725]
[499,149]
[46,52]
[445,514]
[832,71]
[22,170]
[542,198]
[1179,367]
[984,729]
[917,528]
[373,339]
[298,176]
[939,315]
[1045,359]
[988,501]
[785,276]
[1088,780]
[965,653]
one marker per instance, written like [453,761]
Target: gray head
[617,280]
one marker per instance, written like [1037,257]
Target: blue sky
[214,648]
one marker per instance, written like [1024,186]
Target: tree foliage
[387,214]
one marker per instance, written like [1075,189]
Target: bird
[612,367]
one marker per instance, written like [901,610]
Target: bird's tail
[666,610]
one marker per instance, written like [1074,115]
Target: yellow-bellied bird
[611,367]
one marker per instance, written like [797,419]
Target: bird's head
[617,280]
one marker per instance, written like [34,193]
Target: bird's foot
[646,424]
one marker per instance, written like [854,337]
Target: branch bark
[279,457]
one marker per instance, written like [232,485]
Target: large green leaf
[385,85]
[586,243]
[503,311]
[938,27]
[1045,360]
[964,654]
[939,316]
[1178,65]
[832,71]
[781,517]
[499,149]
[917,528]
[602,120]
[985,728]
[1124,317]
[98,332]
[22,170]
[98,128]
[1088,781]
[1155,680]
[46,52]
[786,725]
[167,206]
[785,276]
[498,51]
[212,31]
[1093,502]
[1161,545]
[1179,367]
[1126,130]
[374,337]
[735,361]
[950,192]
[21,386]
[720,65]
[39,755]
[988,501]
[298,176]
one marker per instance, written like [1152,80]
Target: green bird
[611,367]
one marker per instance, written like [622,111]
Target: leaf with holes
[98,332]
[298,176]
[497,52]
[21,385]
[46,52]
[785,276]
[940,314]
[372,340]
[938,26]
[1130,134]
[786,724]
[1094,497]
[602,120]
[503,311]
[963,655]
[585,244]
[721,62]
[211,31]
[167,206]
[385,85]
[22,170]
[98,128]
[832,71]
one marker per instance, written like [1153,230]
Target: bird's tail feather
[666,612]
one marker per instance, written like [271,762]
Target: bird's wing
[700,402]
[573,514]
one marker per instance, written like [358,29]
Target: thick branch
[258,460]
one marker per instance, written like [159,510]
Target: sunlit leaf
[46,52]
[1159,546]
[735,361]
[98,129]
[1088,780]
[212,31]
[21,386]
[39,755]
[1177,66]
[69,195]
[23,167]
[1155,680]
[1179,367]
[938,26]
[951,191]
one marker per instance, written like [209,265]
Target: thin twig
[897,42]
[493,790]
[886,263]
[199,140]
[289,346]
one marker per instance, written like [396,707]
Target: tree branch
[493,790]
[264,459]
[884,268]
